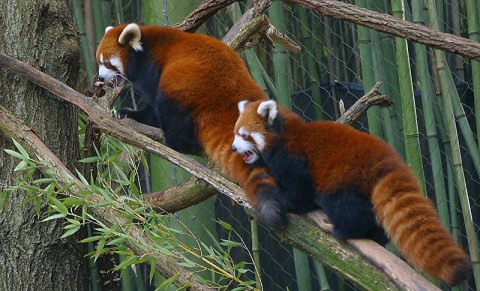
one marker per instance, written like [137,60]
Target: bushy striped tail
[411,222]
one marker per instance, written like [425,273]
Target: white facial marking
[246,149]
[268,108]
[105,73]
[115,61]
[259,139]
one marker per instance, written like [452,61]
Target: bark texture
[32,256]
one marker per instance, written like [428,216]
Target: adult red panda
[356,178]
[189,80]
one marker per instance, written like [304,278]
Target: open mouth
[116,81]
[248,156]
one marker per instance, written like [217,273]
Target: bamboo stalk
[87,56]
[98,22]
[313,78]
[368,75]
[458,72]
[280,59]
[380,75]
[428,99]
[322,276]
[256,253]
[474,34]
[410,125]
[449,98]
[327,36]
[390,87]
[118,11]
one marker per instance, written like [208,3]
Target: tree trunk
[32,256]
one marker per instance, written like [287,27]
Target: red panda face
[251,128]
[113,52]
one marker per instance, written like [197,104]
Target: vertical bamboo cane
[428,101]
[313,76]
[474,34]
[368,75]
[410,125]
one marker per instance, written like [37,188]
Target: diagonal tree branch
[198,16]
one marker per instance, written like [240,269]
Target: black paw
[125,113]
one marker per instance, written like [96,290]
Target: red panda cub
[363,186]
[192,84]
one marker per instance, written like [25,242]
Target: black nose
[101,79]
[234,149]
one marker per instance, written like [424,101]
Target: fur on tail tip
[272,212]
[460,274]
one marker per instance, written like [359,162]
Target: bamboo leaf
[59,205]
[70,231]
[91,239]
[21,149]
[129,261]
[168,282]
[100,249]
[55,216]
[43,181]
[117,241]
[14,154]
[229,243]
[90,160]
[225,225]
[20,166]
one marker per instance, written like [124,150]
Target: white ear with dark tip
[241,105]
[108,28]
[131,35]
[268,109]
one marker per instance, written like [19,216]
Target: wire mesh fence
[339,62]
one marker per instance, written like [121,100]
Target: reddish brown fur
[208,78]
[339,156]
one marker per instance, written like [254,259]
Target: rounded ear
[268,109]
[242,104]
[108,28]
[131,35]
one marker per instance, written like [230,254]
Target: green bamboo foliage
[368,75]
[87,54]
[380,74]
[313,75]
[281,63]
[389,75]
[118,11]
[474,34]
[449,97]
[412,142]
[428,101]
[98,20]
